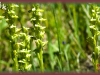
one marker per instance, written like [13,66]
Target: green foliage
[49,37]
[95,34]
[3,24]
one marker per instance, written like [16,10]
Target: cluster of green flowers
[21,37]
[95,29]
[19,40]
[38,33]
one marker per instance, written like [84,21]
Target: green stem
[40,57]
[16,61]
[41,61]
[57,28]
[95,51]
[58,38]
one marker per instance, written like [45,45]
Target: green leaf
[3,24]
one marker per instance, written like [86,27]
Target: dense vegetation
[52,37]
